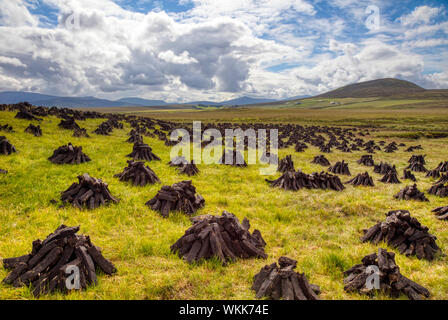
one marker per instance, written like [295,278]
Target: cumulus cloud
[214,51]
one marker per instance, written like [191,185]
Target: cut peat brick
[6,148]
[69,154]
[138,174]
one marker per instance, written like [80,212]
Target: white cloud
[422,14]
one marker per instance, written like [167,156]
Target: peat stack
[433,174]
[340,168]
[417,167]
[408,175]
[286,164]
[320,159]
[439,190]
[412,148]
[391,281]
[51,262]
[223,237]
[441,213]
[178,162]
[36,130]
[405,233]
[80,133]
[23,114]
[189,169]
[141,151]
[69,154]
[443,166]
[411,193]
[282,282]
[138,174]
[443,179]
[69,124]
[367,160]
[6,128]
[6,147]
[325,148]
[135,137]
[236,158]
[417,159]
[300,147]
[383,168]
[390,148]
[180,196]
[362,179]
[390,177]
[295,181]
[89,192]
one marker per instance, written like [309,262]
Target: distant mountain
[204,103]
[297,97]
[388,87]
[142,102]
[245,101]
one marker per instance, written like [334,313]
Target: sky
[214,50]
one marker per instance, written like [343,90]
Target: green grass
[320,229]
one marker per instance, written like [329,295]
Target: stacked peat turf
[412,148]
[340,168]
[6,147]
[417,159]
[441,213]
[189,169]
[178,162]
[282,282]
[417,167]
[69,154]
[391,281]
[405,233]
[141,151]
[439,190]
[443,166]
[384,168]
[286,164]
[362,179]
[411,193]
[390,177]
[295,181]
[89,192]
[325,148]
[52,261]
[138,173]
[223,237]
[23,114]
[320,159]
[36,130]
[80,133]
[433,174]
[392,147]
[135,137]
[69,124]
[233,158]
[366,160]
[407,175]
[180,196]
[6,128]
[300,147]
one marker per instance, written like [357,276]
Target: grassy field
[320,229]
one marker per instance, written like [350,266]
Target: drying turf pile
[69,154]
[320,159]
[405,233]
[34,130]
[138,174]
[142,151]
[6,147]
[286,164]
[89,192]
[340,168]
[282,282]
[180,196]
[52,261]
[362,179]
[298,180]
[391,281]
[411,193]
[222,237]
